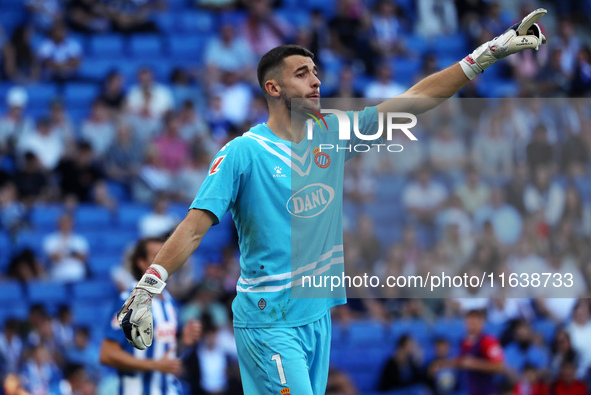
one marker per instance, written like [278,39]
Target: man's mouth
[314,96]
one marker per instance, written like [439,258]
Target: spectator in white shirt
[383,87]
[424,196]
[236,97]
[45,144]
[580,333]
[545,195]
[98,129]
[66,251]
[158,222]
[60,55]
[215,353]
[15,123]
[228,52]
[148,98]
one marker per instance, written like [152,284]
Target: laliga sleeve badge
[321,159]
[215,166]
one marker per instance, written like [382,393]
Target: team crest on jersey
[285,391]
[321,159]
[215,166]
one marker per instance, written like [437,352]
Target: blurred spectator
[63,328]
[573,153]
[123,159]
[552,80]
[11,347]
[567,383]
[157,366]
[263,29]
[15,124]
[80,352]
[148,98]
[436,18]
[60,55]
[492,153]
[473,192]
[112,93]
[204,302]
[579,330]
[515,188]
[78,175]
[40,374]
[192,125]
[545,196]
[61,124]
[358,184]
[172,150]
[562,351]
[523,350]
[383,87]
[481,357]
[154,178]
[158,222]
[457,247]
[25,267]
[228,52]
[442,380]
[423,196]
[31,181]
[44,13]
[67,252]
[98,129]
[76,381]
[581,81]
[350,31]
[192,175]
[87,16]
[386,30]
[531,383]
[46,145]
[448,153]
[453,213]
[370,245]
[505,219]
[19,63]
[569,44]
[539,151]
[339,383]
[12,211]
[235,96]
[132,16]
[345,86]
[219,123]
[403,369]
[576,212]
[216,351]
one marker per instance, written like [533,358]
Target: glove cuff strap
[158,271]
[151,283]
[470,67]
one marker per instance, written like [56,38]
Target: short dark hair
[275,57]
[140,251]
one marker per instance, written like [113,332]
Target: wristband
[158,271]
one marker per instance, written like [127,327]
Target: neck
[286,127]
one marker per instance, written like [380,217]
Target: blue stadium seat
[166,22]
[583,185]
[5,247]
[178,5]
[145,46]
[118,191]
[415,43]
[116,241]
[107,45]
[130,214]
[296,18]
[405,70]
[47,292]
[187,47]
[197,22]
[10,292]
[88,313]
[100,265]
[40,95]
[32,240]
[46,216]
[18,309]
[453,330]
[96,69]
[546,328]
[368,332]
[365,381]
[10,19]
[94,290]
[14,5]
[90,216]
[417,329]
[455,46]
[80,95]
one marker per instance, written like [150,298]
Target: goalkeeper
[283,342]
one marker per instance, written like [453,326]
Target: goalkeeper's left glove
[523,35]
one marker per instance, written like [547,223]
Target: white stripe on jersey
[282,146]
[295,283]
[132,385]
[285,160]
[283,276]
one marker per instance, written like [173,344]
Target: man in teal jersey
[285,197]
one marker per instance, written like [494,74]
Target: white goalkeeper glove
[135,317]
[523,35]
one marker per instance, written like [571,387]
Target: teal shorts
[294,360]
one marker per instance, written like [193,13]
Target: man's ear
[272,87]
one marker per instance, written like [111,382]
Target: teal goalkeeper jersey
[286,200]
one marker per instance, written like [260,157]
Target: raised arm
[434,89]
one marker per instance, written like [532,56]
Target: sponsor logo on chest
[310,201]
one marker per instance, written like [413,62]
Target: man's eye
[300,75]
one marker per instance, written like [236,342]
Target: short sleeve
[219,191]
[368,124]
[113,331]
[492,350]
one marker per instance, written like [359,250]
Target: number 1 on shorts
[277,359]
